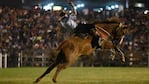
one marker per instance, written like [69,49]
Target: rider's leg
[94,41]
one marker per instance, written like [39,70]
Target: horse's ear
[121,25]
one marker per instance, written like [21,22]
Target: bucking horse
[75,46]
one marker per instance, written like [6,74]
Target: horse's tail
[61,46]
[54,53]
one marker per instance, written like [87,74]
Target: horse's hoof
[112,59]
[123,60]
[36,81]
[54,80]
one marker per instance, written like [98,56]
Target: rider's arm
[74,11]
[60,18]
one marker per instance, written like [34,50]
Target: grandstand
[25,35]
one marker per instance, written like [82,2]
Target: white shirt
[69,21]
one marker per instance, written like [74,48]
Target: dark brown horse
[67,53]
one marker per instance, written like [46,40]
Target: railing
[3,60]
[41,58]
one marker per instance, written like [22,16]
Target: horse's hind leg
[62,63]
[59,68]
[59,59]
[46,72]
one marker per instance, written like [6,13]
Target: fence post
[148,59]
[131,59]
[43,59]
[19,59]
[5,60]
[1,60]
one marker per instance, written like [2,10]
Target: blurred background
[28,30]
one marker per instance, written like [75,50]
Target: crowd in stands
[24,29]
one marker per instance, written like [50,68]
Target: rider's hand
[71,4]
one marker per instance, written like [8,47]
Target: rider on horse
[69,20]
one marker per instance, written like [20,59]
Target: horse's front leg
[122,54]
[112,54]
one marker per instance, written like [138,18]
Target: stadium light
[80,6]
[98,10]
[51,4]
[146,12]
[112,7]
[65,8]
[48,6]
[116,6]
[101,9]
[140,5]
[108,8]
[57,8]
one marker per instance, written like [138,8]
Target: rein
[105,31]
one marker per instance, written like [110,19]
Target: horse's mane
[105,22]
[111,20]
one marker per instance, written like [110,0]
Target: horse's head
[119,34]
[121,30]
[111,31]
